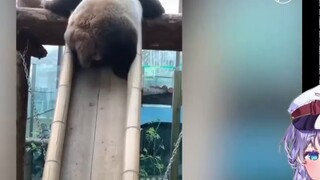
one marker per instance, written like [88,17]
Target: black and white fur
[105,32]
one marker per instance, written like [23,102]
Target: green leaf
[28,149]
[162,146]
[158,157]
[143,173]
[157,136]
[160,167]
[33,146]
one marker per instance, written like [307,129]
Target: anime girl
[302,138]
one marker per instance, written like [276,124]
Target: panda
[104,32]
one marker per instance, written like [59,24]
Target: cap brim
[310,122]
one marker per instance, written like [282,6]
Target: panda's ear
[151,9]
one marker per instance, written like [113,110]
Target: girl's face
[312,160]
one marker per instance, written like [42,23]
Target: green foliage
[150,157]
[33,147]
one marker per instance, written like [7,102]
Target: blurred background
[245,59]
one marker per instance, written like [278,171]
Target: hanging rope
[35,114]
[174,152]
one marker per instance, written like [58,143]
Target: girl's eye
[314,155]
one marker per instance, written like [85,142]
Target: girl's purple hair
[295,142]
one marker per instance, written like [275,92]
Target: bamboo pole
[131,165]
[55,147]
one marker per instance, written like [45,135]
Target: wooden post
[28,165]
[175,128]
[22,106]
[176,108]
[60,58]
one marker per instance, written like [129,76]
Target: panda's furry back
[105,30]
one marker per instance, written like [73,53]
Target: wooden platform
[94,142]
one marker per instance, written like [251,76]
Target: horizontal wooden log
[159,99]
[29,3]
[164,33]
[36,141]
[154,90]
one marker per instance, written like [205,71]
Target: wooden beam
[161,99]
[157,95]
[29,3]
[36,141]
[154,90]
[164,33]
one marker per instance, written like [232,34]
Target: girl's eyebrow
[307,152]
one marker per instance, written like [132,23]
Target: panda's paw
[152,9]
[56,8]
[122,74]
[97,57]
[43,3]
[85,64]
[49,5]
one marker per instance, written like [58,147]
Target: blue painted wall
[149,114]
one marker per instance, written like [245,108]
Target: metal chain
[174,152]
[35,114]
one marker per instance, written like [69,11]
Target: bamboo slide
[96,128]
